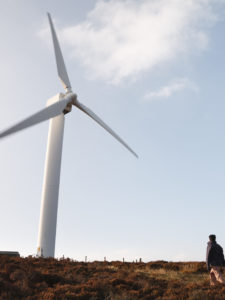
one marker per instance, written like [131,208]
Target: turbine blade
[91,114]
[43,115]
[59,58]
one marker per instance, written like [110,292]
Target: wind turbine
[57,107]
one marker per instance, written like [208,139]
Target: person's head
[212,237]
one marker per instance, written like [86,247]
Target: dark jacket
[214,255]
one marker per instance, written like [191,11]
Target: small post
[123,259]
[105,258]
[85,259]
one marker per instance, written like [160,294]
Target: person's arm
[222,256]
[208,257]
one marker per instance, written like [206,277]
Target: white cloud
[168,90]
[121,39]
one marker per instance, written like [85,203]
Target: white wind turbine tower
[56,109]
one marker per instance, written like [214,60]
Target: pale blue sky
[152,70]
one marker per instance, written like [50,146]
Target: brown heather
[47,279]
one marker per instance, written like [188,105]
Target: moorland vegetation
[33,278]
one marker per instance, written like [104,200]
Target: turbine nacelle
[72,101]
[71,97]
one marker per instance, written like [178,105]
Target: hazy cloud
[173,87]
[120,39]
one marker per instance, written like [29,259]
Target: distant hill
[48,279]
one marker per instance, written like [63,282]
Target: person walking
[214,260]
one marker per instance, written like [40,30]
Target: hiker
[214,260]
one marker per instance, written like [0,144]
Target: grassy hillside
[32,278]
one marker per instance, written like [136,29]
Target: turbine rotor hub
[73,99]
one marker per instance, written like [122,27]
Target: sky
[154,71]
